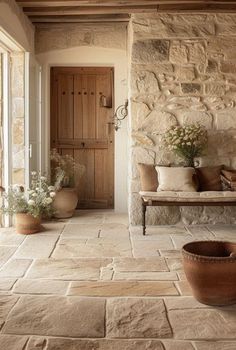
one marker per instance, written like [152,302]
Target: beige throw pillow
[176,179]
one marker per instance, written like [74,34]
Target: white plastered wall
[16,24]
[91,56]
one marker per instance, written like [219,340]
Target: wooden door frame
[86,70]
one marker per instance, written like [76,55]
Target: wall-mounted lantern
[120,114]
[105,101]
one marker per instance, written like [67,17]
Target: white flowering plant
[37,200]
[64,170]
[188,142]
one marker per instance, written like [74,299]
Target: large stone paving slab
[96,249]
[40,286]
[175,264]
[111,289]
[83,217]
[71,241]
[200,232]
[6,283]
[81,230]
[36,246]
[216,345]
[140,264]
[6,304]
[146,276]
[57,316]
[10,238]
[180,241]
[203,324]
[184,288]
[5,253]
[68,269]
[151,248]
[114,231]
[170,253]
[178,345]
[10,342]
[224,232]
[116,218]
[174,303]
[137,318]
[15,268]
[98,344]
[52,227]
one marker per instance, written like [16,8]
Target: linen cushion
[209,178]
[170,196]
[148,177]
[176,179]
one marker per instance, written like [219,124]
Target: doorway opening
[82,100]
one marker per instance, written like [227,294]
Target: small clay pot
[65,203]
[210,268]
[27,224]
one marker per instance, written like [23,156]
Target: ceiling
[50,11]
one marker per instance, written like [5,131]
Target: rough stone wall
[183,70]
[17,111]
[50,37]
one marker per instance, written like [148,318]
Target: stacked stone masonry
[182,71]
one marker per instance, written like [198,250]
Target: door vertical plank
[89,113]
[65,106]
[103,114]
[85,184]
[101,175]
[78,107]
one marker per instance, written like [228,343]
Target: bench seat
[171,198]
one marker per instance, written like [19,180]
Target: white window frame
[6,127]
[7,45]
[26,112]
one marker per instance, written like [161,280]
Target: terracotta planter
[27,224]
[65,203]
[210,268]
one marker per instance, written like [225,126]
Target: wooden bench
[164,198]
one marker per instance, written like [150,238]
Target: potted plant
[30,205]
[64,169]
[188,142]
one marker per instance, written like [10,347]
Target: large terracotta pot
[27,224]
[210,268]
[65,203]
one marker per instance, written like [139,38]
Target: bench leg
[144,218]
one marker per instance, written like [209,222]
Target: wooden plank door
[82,127]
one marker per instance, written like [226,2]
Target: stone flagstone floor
[91,283]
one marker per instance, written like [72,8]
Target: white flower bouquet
[188,142]
[36,201]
